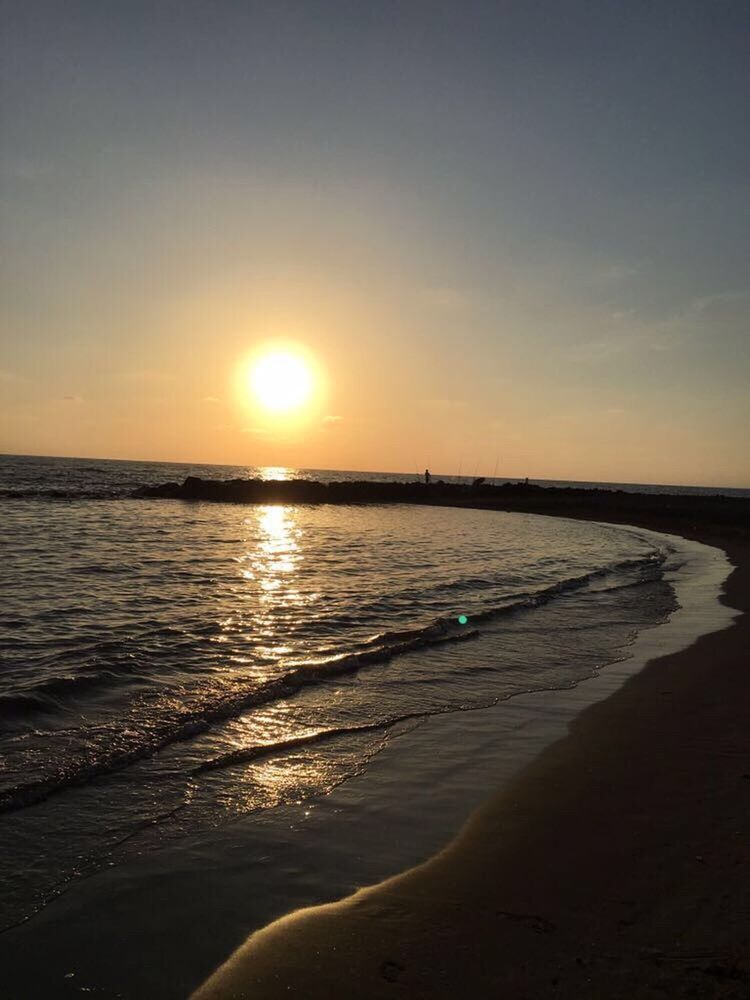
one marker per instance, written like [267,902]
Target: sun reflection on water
[278,605]
[270,567]
[278,547]
[279,473]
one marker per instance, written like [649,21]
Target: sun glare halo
[281,382]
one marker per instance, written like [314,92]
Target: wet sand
[615,865]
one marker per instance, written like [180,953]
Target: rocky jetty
[655,509]
[311,491]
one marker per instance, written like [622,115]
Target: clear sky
[508,232]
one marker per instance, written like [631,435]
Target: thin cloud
[698,316]
[147,375]
[450,404]
[708,302]
[597,350]
[621,315]
[11,377]
[616,273]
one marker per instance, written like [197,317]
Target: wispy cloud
[147,375]
[9,377]
[705,314]
[446,403]
[598,350]
[615,273]
[622,315]
[707,303]
[331,420]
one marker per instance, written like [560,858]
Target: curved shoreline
[575,880]
[199,895]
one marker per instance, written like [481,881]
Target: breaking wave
[134,742]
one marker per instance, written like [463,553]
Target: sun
[281,381]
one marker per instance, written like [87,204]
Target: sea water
[170,667]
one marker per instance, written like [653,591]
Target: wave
[230,704]
[107,663]
[192,723]
[47,695]
[249,754]
[533,599]
[653,561]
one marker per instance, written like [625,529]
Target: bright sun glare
[281,382]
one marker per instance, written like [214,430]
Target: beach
[615,865]
[604,768]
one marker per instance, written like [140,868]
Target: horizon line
[436,475]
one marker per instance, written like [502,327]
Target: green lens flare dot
[462,620]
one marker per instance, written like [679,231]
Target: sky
[511,236]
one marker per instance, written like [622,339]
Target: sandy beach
[615,865]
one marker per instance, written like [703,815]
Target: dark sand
[617,865]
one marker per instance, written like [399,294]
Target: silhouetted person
[427,477]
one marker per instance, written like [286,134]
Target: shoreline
[199,893]
[622,878]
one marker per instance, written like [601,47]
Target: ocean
[171,668]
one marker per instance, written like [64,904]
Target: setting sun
[281,382]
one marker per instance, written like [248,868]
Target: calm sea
[169,667]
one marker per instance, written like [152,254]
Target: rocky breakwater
[303,491]
[726,515]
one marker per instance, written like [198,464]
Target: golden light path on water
[269,567]
[273,557]
[276,473]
